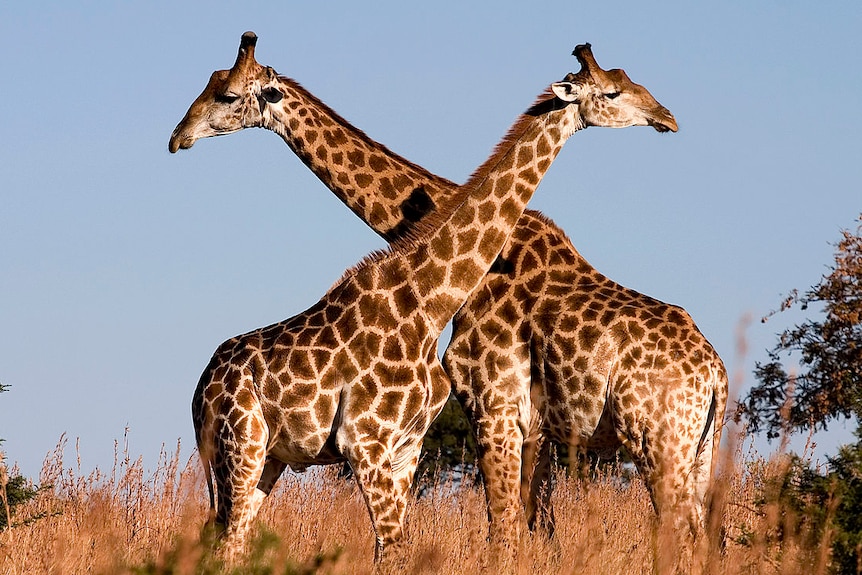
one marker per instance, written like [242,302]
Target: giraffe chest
[310,393]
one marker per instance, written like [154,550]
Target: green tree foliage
[13,490]
[829,352]
[844,484]
[828,386]
[449,450]
[828,504]
[18,490]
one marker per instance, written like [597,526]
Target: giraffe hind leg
[537,485]
[683,489]
[676,467]
[671,475]
[700,475]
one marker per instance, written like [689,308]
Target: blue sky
[122,266]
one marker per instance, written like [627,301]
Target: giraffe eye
[612,95]
[226,98]
[271,95]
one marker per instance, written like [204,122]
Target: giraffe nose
[179,141]
[663,121]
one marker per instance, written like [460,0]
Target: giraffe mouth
[664,127]
[180,143]
[664,123]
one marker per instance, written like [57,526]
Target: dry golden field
[135,521]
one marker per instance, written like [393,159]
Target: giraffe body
[537,265]
[354,378]
[593,365]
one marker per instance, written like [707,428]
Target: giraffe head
[609,98]
[232,100]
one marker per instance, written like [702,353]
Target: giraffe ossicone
[397,198]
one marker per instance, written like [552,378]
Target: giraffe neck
[388,192]
[451,261]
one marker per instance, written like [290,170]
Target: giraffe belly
[302,432]
[575,408]
[577,373]
[302,453]
[604,439]
[574,426]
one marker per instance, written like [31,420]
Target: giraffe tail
[210,525]
[719,405]
[710,439]
[708,449]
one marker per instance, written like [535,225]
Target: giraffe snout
[663,121]
[179,142]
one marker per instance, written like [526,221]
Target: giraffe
[393,195]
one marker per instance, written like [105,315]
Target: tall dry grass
[134,521]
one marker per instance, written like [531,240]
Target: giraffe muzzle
[664,122]
[178,142]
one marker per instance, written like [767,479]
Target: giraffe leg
[675,460]
[684,473]
[660,484]
[240,457]
[386,499]
[495,414]
[699,481]
[537,485]
[500,445]
[529,463]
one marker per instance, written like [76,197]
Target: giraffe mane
[370,259]
[341,121]
[419,229]
[545,103]
[552,226]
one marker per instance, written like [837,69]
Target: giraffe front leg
[500,444]
[386,498]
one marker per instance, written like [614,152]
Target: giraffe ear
[567,91]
